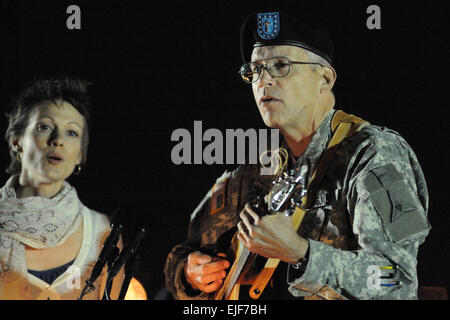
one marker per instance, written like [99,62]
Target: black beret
[280,28]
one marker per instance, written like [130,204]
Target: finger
[252,213]
[246,225]
[241,239]
[208,278]
[212,267]
[246,214]
[242,229]
[212,287]
[247,242]
[244,238]
[198,257]
[223,255]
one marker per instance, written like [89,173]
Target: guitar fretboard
[233,275]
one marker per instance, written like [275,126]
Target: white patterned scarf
[37,222]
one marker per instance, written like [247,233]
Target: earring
[77,169]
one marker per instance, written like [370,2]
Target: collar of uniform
[317,145]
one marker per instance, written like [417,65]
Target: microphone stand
[108,284]
[131,268]
[128,252]
[106,256]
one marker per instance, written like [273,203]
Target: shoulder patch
[218,196]
[398,206]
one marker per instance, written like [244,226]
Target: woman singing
[50,241]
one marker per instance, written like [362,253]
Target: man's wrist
[302,248]
[302,261]
[298,269]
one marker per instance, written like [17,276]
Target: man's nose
[265,79]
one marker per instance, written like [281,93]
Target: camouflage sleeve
[211,228]
[388,202]
[177,258]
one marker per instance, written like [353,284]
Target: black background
[160,65]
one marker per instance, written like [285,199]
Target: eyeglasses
[276,67]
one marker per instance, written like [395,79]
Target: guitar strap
[342,125]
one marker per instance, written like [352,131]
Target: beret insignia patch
[268,25]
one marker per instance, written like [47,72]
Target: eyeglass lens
[277,67]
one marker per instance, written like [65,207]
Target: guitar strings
[278,160]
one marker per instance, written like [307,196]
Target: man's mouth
[267,100]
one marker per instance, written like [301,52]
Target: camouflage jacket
[369,218]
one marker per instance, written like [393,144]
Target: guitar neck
[242,256]
[233,275]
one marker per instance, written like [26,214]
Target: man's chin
[271,123]
[270,118]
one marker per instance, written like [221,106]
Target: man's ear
[328,78]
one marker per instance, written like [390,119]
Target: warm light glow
[135,291]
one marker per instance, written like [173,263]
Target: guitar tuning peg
[289,211]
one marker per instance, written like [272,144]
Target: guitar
[284,196]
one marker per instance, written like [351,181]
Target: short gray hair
[313,57]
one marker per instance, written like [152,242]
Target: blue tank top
[51,274]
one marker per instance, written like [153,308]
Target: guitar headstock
[291,182]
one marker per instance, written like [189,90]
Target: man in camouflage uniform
[369,212]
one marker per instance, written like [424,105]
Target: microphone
[128,251]
[109,247]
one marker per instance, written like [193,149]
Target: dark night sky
[159,67]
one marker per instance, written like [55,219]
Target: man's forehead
[267,52]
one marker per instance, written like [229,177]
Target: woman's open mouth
[54,159]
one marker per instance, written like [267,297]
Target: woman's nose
[56,139]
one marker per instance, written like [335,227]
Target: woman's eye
[72,133]
[42,127]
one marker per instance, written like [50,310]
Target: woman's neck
[26,187]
